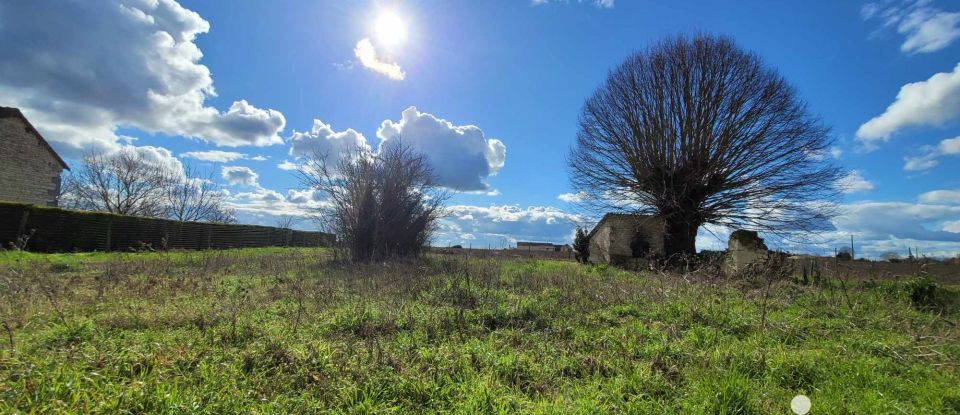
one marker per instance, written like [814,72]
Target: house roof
[10,112]
[615,215]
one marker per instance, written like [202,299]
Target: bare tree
[701,132]
[124,183]
[194,198]
[286,221]
[380,205]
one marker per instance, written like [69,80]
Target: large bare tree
[701,132]
[381,204]
[127,183]
[124,183]
[197,198]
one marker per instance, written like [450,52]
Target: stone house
[29,168]
[542,247]
[620,238]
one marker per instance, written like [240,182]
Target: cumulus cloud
[158,156]
[322,140]
[237,175]
[504,225]
[573,197]
[931,102]
[950,146]
[854,182]
[461,156]
[262,202]
[877,221]
[216,156]
[925,29]
[288,165]
[878,227]
[367,54]
[79,70]
[953,226]
[942,197]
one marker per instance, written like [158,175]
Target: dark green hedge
[60,230]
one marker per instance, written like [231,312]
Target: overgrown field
[287,331]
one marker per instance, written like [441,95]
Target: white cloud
[925,29]
[288,165]
[158,156]
[261,201]
[854,182]
[500,225]
[950,146]
[931,102]
[925,161]
[941,197]
[323,140]
[216,156]
[876,221]
[80,70]
[573,197]
[462,158]
[367,55]
[953,226]
[928,30]
[604,4]
[236,175]
[929,155]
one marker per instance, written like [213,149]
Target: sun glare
[390,29]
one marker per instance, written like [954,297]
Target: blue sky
[497,87]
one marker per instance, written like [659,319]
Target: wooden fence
[61,230]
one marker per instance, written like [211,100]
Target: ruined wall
[744,249]
[614,237]
[600,245]
[28,172]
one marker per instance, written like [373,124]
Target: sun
[390,29]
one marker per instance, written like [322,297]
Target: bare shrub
[381,205]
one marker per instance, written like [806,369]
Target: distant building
[542,247]
[617,238]
[29,168]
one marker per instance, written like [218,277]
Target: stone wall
[618,237]
[29,173]
[745,248]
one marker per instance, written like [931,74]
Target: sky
[489,91]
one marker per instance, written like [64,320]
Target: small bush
[923,292]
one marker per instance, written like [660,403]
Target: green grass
[285,331]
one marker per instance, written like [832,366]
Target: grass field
[286,331]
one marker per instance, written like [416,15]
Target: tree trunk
[680,237]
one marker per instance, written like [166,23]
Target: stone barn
[29,168]
[619,238]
